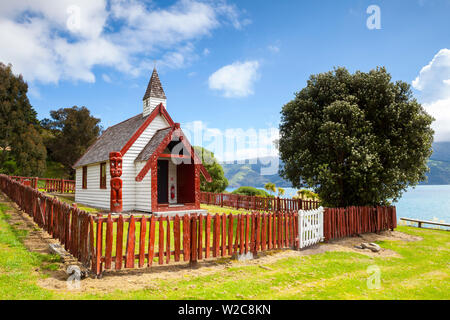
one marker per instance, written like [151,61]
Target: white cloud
[433,82]
[206,52]
[440,110]
[180,57]
[49,41]
[235,80]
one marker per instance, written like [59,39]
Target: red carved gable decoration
[177,132]
[158,110]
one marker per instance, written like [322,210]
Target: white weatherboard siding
[128,168]
[172,180]
[151,103]
[133,195]
[143,200]
[93,195]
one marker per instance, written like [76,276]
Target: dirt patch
[136,279]
[348,244]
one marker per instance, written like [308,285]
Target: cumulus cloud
[433,79]
[433,82]
[440,110]
[236,79]
[49,41]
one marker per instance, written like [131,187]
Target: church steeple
[154,95]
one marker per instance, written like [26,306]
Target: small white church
[144,163]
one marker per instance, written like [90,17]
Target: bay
[425,202]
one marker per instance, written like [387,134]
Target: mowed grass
[217,209]
[18,279]
[420,272]
[69,200]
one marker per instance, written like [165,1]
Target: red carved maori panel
[115,159]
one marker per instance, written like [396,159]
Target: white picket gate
[310,226]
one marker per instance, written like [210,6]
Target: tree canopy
[269,186]
[356,139]
[251,191]
[70,132]
[22,150]
[215,170]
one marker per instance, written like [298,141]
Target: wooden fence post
[98,246]
[193,241]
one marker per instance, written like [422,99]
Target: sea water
[426,202]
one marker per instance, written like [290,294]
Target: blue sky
[227,64]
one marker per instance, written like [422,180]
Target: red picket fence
[350,221]
[238,201]
[70,225]
[104,242]
[51,185]
[59,185]
[194,237]
[28,181]
[107,242]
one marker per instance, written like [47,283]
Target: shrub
[251,191]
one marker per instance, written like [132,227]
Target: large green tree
[219,182]
[70,131]
[22,151]
[356,139]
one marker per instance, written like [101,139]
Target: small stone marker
[371,246]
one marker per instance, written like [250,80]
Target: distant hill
[439,164]
[248,173]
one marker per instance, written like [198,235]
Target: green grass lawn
[217,209]
[421,272]
[17,265]
[69,200]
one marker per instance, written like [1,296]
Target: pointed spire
[154,88]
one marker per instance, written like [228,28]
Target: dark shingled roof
[113,139]
[153,144]
[154,88]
